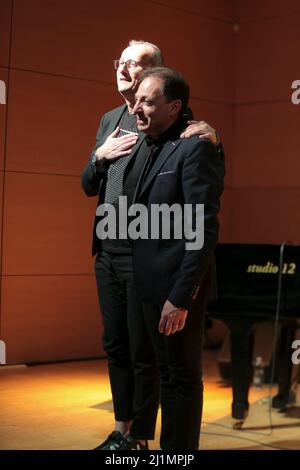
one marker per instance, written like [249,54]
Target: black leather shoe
[281,402]
[113,442]
[129,443]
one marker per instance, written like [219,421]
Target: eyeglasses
[129,64]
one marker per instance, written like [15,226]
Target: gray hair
[156,57]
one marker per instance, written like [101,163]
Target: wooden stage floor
[68,406]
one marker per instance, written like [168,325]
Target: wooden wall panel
[5,25]
[221,117]
[251,10]
[48,224]
[267,146]
[266,215]
[53,122]
[267,62]
[73,41]
[50,318]
[203,51]
[3,113]
[217,9]
[1,208]
[61,82]
[5,30]
[266,160]
[57,139]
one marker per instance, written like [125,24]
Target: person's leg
[179,357]
[113,305]
[184,350]
[167,397]
[146,379]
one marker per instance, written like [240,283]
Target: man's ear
[176,106]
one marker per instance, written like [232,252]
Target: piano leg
[241,340]
[284,369]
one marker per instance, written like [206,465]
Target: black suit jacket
[187,171]
[93,182]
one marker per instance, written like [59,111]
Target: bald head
[136,58]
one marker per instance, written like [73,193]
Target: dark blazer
[93,182]
[186,171]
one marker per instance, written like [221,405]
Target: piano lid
[247,279]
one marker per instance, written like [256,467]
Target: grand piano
[247,293]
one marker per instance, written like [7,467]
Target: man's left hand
[201,128]
[172,319]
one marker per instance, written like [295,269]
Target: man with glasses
[113,170]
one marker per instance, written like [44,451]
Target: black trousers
[132,366]
[180,362]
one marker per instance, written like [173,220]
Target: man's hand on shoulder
[172,319]
[115,147]
[202,129]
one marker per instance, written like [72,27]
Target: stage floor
[68,406]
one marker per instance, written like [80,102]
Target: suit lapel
[166,152]
[114,121]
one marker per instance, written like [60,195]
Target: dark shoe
[281,402]
[113,442]
[129,443]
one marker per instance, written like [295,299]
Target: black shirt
[143,160]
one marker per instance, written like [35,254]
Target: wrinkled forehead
[139,53]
